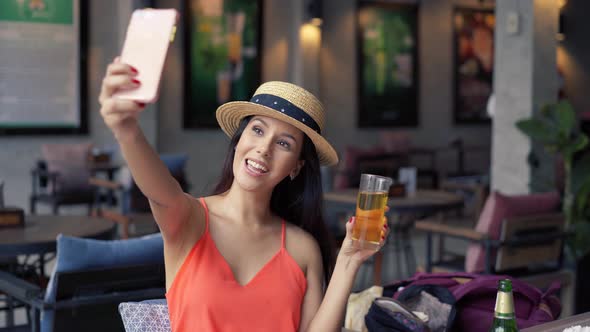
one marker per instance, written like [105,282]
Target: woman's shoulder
[301,245]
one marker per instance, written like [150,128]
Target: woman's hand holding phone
[120,115]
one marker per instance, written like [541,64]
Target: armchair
[521,236]
[90,279]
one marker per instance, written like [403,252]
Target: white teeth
[256,165]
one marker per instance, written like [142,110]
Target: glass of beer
[370,209]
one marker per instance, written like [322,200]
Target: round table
[423,201]
[403,212]
[39,234]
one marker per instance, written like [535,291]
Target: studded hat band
[284,106]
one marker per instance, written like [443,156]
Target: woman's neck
[247,207]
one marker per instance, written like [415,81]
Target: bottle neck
[504,305]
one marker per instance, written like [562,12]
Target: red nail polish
[385,226]
[140,104]
[136,81]
[133,69]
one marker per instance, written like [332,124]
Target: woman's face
[267,152]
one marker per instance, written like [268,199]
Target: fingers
[113,105]
[350,225]
[117,68]
[112,83]
[384,235]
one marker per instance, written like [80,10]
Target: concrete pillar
[305,42]
[525,77]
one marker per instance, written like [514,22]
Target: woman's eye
[284,144]
[257,130]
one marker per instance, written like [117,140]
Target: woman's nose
[264,149]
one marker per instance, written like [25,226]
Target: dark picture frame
[79,75]
[387,90]
[223,56]
[473,63]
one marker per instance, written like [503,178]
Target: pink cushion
[70,161]
[498,207]
[350,165]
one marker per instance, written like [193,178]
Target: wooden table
[403,212]
[39,234]
[39,237]
[423,201]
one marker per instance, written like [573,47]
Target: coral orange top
[205,296]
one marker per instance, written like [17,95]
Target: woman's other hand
[119,115]
[350,250]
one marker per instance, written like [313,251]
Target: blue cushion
[145,316]
[75,254]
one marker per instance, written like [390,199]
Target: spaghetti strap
[283,234]
[202,200]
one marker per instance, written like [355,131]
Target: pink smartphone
[149,33]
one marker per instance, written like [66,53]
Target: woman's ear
[297,169]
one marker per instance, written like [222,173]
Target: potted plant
[557,129]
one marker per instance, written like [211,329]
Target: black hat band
[284,106]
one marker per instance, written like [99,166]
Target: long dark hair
[299,201]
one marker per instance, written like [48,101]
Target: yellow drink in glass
[370,210]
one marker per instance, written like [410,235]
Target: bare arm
[170,206]
[330,314]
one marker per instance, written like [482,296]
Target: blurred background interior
[432,85]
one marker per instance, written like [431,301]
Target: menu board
[42,90]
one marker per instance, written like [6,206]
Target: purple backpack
[476,298]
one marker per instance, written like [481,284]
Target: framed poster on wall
[43,67]
[222,56]
[473,31]
[387,64]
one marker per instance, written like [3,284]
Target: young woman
[254,256]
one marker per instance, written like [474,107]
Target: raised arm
[327,315]
[170,206]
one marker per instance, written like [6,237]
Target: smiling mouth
[256,167]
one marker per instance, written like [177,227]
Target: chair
[134,214]
[61,177]
[521,236]
[90,279]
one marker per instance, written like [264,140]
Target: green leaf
[578,144]
[580,172]
[538,130]
[566,116]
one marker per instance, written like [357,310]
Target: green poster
[388,65]
[223,56]
[37,11]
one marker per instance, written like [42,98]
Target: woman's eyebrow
[261,121]
[289,136]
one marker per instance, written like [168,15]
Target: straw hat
[286,102]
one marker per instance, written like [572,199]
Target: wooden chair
[133,213]
[61,177]
[529,248]
[86,300]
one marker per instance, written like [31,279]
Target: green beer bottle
[504,318]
